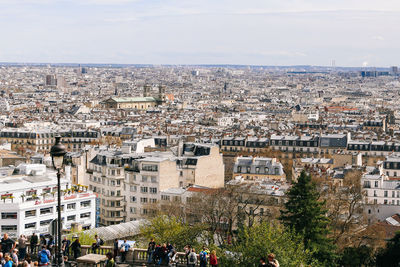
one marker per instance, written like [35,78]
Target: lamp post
[57,153]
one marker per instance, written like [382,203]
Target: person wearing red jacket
[213,258]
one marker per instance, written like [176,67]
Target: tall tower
[146,90]
[161,92]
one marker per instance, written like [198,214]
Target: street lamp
[57,153]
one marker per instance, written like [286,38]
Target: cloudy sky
[256,32]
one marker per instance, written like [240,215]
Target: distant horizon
[77,64]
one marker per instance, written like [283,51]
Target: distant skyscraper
[394,70]
[51,80]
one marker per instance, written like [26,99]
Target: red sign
[84,195]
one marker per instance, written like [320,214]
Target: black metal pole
[59,224]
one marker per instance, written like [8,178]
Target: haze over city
[348,33]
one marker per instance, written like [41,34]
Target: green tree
[258,241]
[390,256]
[357,256]
[306,215]
[170,229]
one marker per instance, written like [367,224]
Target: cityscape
[266,162]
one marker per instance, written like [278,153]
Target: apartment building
[391,167]
[258,168]
[76,140]
[29,202]
[128,183]
[24,140]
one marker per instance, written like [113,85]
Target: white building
[29,202]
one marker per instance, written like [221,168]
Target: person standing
[203,257]
[43,242]
[22,246]
[124,250]
[14,256]
[2,260]
[187,252]
[97,243]
[65,246]
[272,262]
[150,250]
[192,258]
[44,256]
[76,248]
[7,244]
[115,249]
[33,243]
[262,262]
[8,261]
[213,259]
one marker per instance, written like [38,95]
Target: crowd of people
[41,253]
[165,254]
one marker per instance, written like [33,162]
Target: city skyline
[350,33]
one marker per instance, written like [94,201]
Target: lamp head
[57,153]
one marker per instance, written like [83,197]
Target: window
[30,193]
[46,190]
[385,193]
[8,215]
[6,228]
[133,188]
[30,213]
[46,211]
[376,183]
[153,200]
[85,215]
[164,197]
[133,199]
[45,222]
[154,179]
[30,225]
[143,189]
[239,169]
[85,204]
[153,190]
[144,178]
[71,218]
[149,167]
[143,200]
[133,210]
[71,206]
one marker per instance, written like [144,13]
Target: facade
[141,103]
[391,167]
[23,141]
[253,169]
[380,190]
[128,183]
[302,144]
[29,202]
[76,140]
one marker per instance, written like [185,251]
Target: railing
[133,256]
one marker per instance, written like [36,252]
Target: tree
[306,215]
[357,256]
[170,229]
[390,256]
[261,239]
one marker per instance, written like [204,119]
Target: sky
[246,32]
